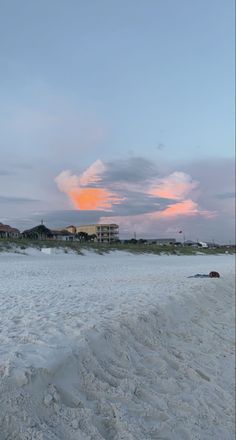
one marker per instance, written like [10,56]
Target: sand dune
[116,347]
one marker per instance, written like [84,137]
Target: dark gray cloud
[60,219]
[139,203]
[132,170]
[5,199]
[55,219]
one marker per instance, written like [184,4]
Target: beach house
[7,231]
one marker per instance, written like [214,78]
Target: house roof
[7,228]
[40,229]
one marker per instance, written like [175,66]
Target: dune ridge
[165,372]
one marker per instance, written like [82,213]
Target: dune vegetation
[20,245]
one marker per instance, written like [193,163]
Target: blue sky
[101,79]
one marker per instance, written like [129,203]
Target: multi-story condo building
[106,233]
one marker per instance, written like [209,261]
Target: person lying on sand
[212,274]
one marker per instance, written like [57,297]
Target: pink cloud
[184,208]
[151,220]
[175,186]
[92,174]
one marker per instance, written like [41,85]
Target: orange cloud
[82,194]
[92,198]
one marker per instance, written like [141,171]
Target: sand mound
[162,373]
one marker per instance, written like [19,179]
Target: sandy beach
[116,347]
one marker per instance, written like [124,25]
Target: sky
[119,112]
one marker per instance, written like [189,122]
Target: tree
[92,237]
[82,236]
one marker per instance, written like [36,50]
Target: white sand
[116,347]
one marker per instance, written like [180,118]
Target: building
[105,233]
[39,232]
[161,241]
[71,229]
[62,235]
[7,231]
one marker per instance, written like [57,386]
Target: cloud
[63,218]
[136,202]
[93,174]
[66,181]
[153,220]
[131,171]
[202,203]
[83,190]
[92,198]
[185,208]
[4,199]
[152,199]
[175,186]
[131,188]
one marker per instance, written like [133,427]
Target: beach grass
[20,245]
